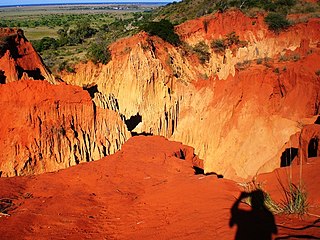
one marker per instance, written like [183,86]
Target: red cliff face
[238,109]
[46,127]
[252,116]
[18,59]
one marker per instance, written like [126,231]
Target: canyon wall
[141,80]
[46,127]
[237,110]
[251,116]
[18,58]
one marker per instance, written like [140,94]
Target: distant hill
[179,12]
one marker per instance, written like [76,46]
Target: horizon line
[85,3]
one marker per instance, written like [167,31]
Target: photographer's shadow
[257,223]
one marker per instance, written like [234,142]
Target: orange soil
[39,126]
[141,192]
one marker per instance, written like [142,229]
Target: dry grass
[295,198]
[38,33]
[268,202]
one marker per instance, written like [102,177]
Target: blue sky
[22,2]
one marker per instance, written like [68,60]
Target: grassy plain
[39,32]
[108,21]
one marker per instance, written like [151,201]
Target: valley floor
[142,192]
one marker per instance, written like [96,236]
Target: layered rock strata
[238,108]
[46,127]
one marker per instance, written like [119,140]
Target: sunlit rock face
[46,127]
[237,109]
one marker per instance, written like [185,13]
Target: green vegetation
[267,5]
[295,195]
[218,46]
[202,51]
[51,48]
[295,198]
[55,20]
[65,36]
[80,33]
[289,57]
[265,61]
[253,186]
[259,61]
[163,29]
[99,53]
[178,12]
[296,201]
[276,22]
[73,36]
[66,66]
[45,44]
[233,39]
[230,40]
[243,65]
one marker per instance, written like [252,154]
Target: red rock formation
[253,114]
[261,43]
[237,113]
[46,127]
[18,59]
[141,192]
[241,126]
[138,81]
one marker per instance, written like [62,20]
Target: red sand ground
[141,192]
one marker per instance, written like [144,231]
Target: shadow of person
[257,223]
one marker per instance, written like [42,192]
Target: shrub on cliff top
[99,53]
[163,29]
[267,5]
[45,44]
[276,22]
